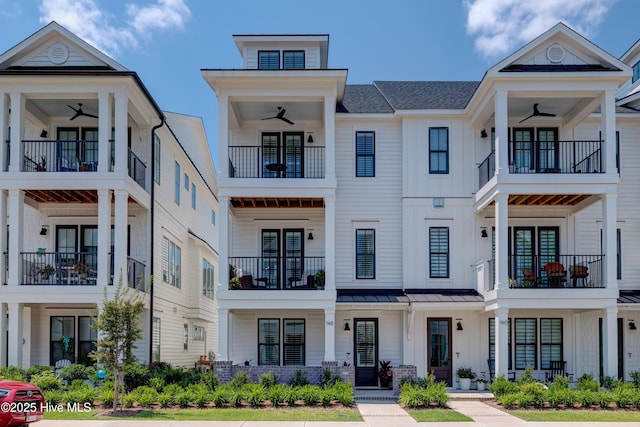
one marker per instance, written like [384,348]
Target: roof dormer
[283,52]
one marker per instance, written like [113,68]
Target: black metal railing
[556,271]
[60,156]
[137,168]
[292,162]
[491,265]
[275,273]
[135,274]
[555,157]
[59,268]
[487,169]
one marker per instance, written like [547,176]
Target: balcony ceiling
[519,108]
[547,199]
[273,202]
[65,196]
[296,111]
[60,107]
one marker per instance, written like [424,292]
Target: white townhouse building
[98,183]
[490,224]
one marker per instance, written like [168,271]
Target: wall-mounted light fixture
[632,325]
[483,134]
[310,139]
[483,232]
[459,325]
[44,133]
[310,236]
[44,230]
[347,328]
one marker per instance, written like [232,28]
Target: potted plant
[465,375]
[319,279]
[81,270]
[46,271]
[385,374]
[481,384]
[234,283]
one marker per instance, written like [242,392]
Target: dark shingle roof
[427,95]
[443,295]
[363,99]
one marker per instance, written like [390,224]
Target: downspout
[151,240]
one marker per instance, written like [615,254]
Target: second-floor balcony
[545,157]
[276,273]
[73,156]
[267,162]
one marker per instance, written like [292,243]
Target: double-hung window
[268,342]
[525,343]
[268,59]
[550,341]
[293,59]
[293,342]
[193,195]
[492,341]
[438,252]
[365,254]
[171,261]
[177,185]
[438,150]
[365,154]
[207,279]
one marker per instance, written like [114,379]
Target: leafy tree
[118,325]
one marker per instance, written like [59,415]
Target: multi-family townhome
[488,224]
[99,185]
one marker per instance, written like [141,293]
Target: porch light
[44,230]
[310,236]
[347,328]
[44,133]
[459,326]
[310,139]
[632,325]
[483,134]
[483,232]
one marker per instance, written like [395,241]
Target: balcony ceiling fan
[280,116]
[79,112]
[537,113]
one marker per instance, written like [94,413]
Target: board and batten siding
[369,203]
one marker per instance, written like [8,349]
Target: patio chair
[556,368]
[578,272]
[555,273]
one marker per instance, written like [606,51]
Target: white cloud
[502,25]
[109,33]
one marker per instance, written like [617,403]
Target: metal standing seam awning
[408,296]
[629,296]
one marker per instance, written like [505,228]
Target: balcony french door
[532,256]
[282,154]
[289,243]
[531,155]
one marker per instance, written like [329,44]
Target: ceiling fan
[280,116]
[79,112]
[537,113]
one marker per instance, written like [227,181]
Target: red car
[20,403]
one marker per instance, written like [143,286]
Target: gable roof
[363,99]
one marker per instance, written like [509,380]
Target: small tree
[118,325]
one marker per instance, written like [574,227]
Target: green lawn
[227,414]
[437,415]
[578,415]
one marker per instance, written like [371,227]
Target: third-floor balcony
[267,162]
[276,273]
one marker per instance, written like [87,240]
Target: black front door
[366,352]
[439,349]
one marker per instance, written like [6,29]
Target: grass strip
[437,415]
[577,415]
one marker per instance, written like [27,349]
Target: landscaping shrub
[509,401]
[129,400]
[79,392]
[15,373]
[604,399]
[46,380]
[343,393]
[526,377]
[559,382]
[433,393]
[236,396]
[53,397]
[183,399]
[239,379]
[256,394]
[608,382]
[77,372]
[299,379]
[623,395]
[587,398]
[501,386]
[173,389]
[157,383]
[268,380]
[635,377]
[560,396]
[326,396]
[291,396]
[197,388]
[136,375]
[309,394]
[410,395]
[147,398]
[37,370]
[221,396]
[165,400]
[189,376]
[327,379]
[106,397]
[210,379]
[588,382]
[276,394]
[202,399]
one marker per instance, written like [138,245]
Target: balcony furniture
[529,278]
[293,280]
[556,274]
[578,272]
[556,368]
[279,168]
[246,281]
[263,282]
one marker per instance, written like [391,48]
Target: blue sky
[167,42]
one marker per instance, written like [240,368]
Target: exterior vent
[58,53]
[555,53]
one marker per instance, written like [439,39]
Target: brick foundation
[400,372]
[225,370]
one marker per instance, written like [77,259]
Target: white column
[223,136]
[104,235]
[502,240]
[329,335]
[330,135]
[120,237]
[121,133]
[502,341]
[3,333]
[15,333]
[501,131]
[608,117]
[104,131]
[18,103]
[16,221]
[610,342]
[330,243]
[223,334]
[609,240]
[4,129]
[225,241]
[3,235]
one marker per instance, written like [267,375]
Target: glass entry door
[366,352]
[439,349]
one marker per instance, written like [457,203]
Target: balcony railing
[556,271]
[59,268]
[137,168]
[533,157]
[259,162]
[135,274]
[274,273]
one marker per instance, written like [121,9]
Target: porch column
[609,240]
[608,123]
[3,333]
[15,333]
[120,237]
[330,243]
[16,221]
[610,342]
[329,135]
[121,143]
[501,131]
[4,129]
[104,131]
[502,341]
[104,235]
[3,237]
[225,241]
[223,136]
[502,240]
[18,103]
[223,334]
[329,335]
